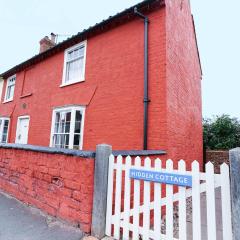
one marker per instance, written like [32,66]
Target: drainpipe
[145,98]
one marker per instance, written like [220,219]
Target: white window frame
[73,110]
[1,128]
[7,86]
[81,78]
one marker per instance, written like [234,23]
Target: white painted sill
[71,83]
[7,101]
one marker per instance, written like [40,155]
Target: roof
[145,6]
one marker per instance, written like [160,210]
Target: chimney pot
[53,38]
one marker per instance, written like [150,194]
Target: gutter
[145,97]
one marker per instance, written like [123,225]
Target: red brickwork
[60,185]
[217,158]
[183,85]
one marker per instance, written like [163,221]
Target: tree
[221,132]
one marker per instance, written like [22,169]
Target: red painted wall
[58,184]
[184,108]
[113,90]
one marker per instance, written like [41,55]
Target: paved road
[19,222]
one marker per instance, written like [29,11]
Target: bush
[221,132]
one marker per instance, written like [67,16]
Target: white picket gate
[136,208]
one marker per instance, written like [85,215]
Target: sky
[23,23]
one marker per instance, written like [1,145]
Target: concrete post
[103,152]
[234,156]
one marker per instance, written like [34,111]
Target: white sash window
[67,127]
[10,88]
[74,64]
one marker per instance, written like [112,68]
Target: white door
[22,130]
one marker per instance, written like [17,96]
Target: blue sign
[162,177]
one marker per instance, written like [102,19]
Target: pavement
[21,222]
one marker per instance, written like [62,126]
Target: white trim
[6,90]
[1,128]
[73,109]
[81,79]
[7,101]
[17,129]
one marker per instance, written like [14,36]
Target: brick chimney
[47,43]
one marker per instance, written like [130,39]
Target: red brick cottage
[90,88]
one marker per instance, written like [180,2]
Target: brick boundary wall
[59,182]
[217,158]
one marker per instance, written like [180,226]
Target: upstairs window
[74,64]
[10,88]
[4,125]
[67,127]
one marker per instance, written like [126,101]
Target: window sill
[7,101]
[71,83]
[26,95]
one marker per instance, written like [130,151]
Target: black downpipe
[145,98]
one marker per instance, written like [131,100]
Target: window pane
[61,127]
[76,53]
[74,70]
[68,116]
[56,129]
[70,55]
[67,141]
[57,118]
[78,122]
[78,116]
[76,142]
[6,123]
[8,92]
[4,138]
[62,141]
[80,51]
[67,127]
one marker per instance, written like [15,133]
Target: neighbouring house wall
[217,158]
[59,184]
[184,108]
[112,91]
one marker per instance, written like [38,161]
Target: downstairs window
[4,125]
[67,127]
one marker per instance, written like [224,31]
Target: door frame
[18,122]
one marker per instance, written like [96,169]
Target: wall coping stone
[138,152]
[79,153]
[217,151]
[51,150]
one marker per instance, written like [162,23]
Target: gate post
[234,156]
[103,151]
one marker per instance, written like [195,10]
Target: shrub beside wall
[59,184]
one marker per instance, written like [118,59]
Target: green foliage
[221,132]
